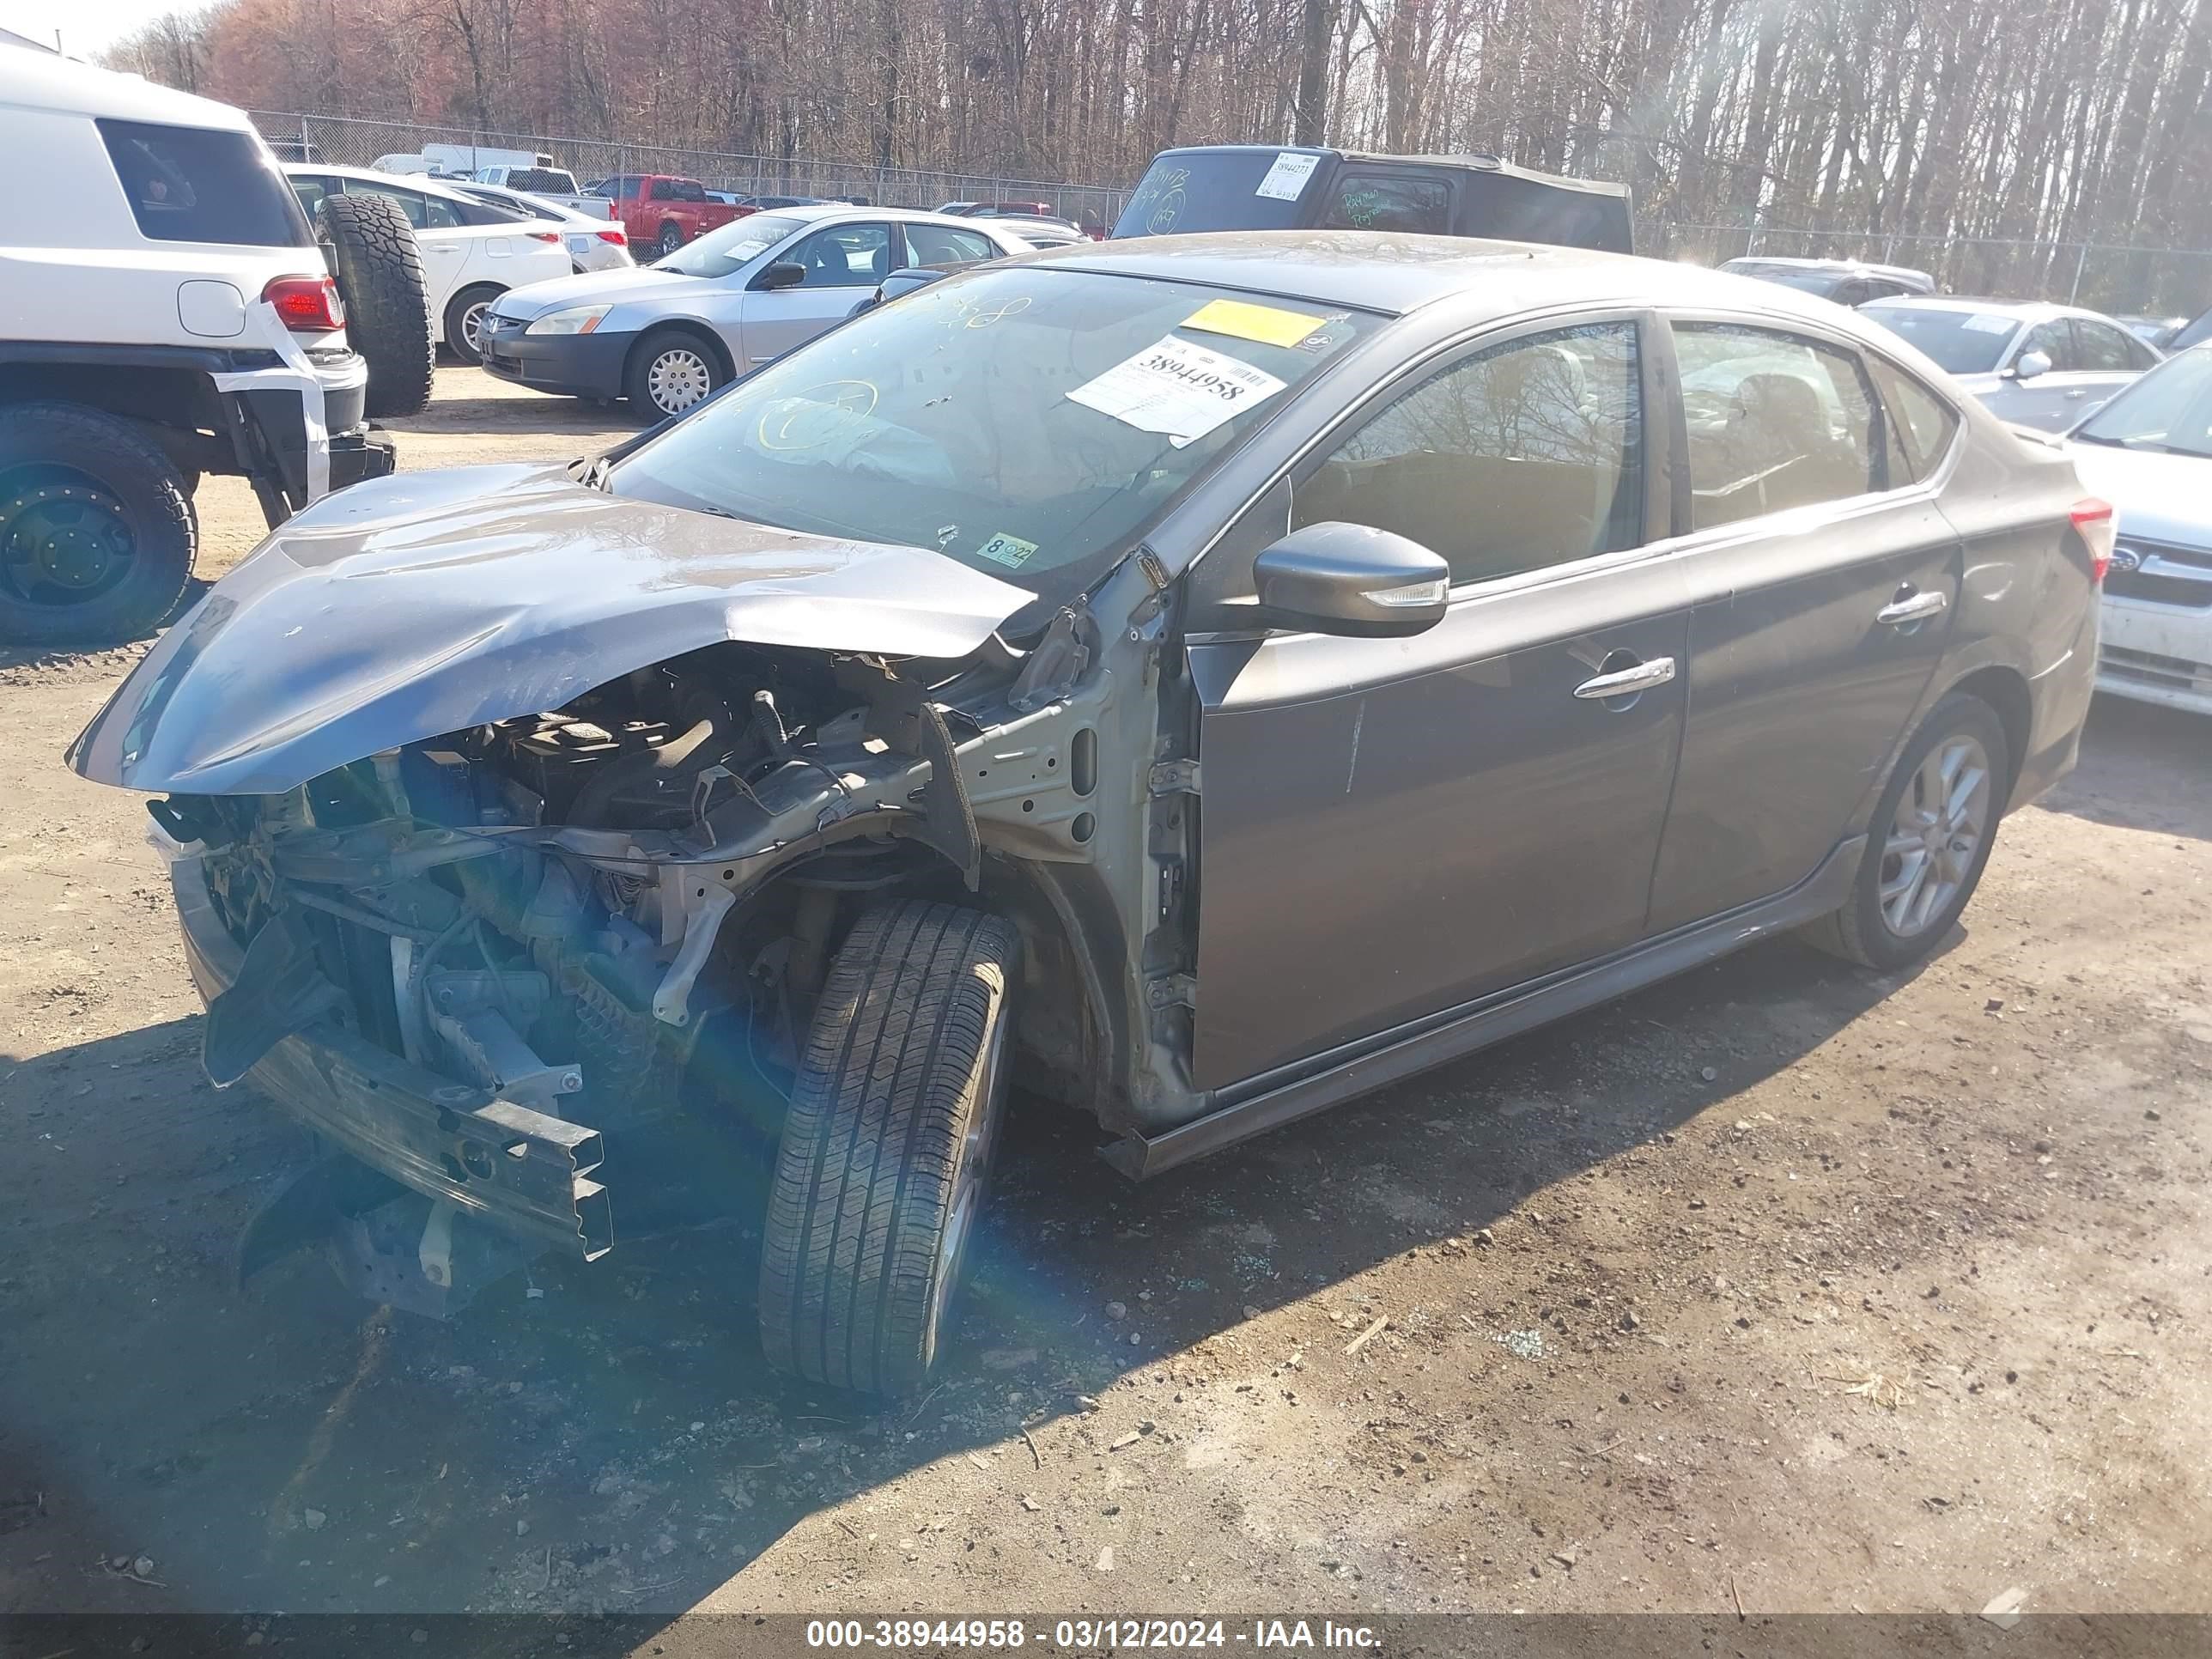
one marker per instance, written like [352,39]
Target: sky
[87,26]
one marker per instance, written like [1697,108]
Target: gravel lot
[1780,1284]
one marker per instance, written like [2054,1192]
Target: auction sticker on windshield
[1989,323]
[1177,389]
[1243,320]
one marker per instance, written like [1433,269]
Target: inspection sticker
[1287,180]
[1988,323]
[1177,388]
[1268,324]
[1009,551]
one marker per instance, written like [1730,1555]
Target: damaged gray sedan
[1197,681]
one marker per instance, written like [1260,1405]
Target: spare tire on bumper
[387,299]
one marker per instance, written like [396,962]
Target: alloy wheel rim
[1935,836]
[472,325]
[677,381]
[64,539]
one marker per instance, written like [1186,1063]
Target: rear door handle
[1627,682]
[1910,609]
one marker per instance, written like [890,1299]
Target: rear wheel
[1930,839]
[97,535]
[671,239]
[464,315]
[670,372]
[387,299]
[887,1148]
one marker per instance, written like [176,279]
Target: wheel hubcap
[677,379]
[63,539]
[1929,851]
[472,325]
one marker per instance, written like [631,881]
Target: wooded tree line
[2043,120]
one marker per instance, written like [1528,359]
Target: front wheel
[670,373]
[885,1152]
[1928,840]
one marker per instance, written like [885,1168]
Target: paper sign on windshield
[1268,324]
[1287,180]
[1177,388]
[1988,323]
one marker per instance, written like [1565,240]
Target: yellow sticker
[1268,324]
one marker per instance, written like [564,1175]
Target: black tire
[387,299]
[665,350]
[1859,931]
[670,239]
[73,477]
[894,1114]
[457,319]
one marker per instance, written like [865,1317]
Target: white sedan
[594,241]
[472,251]
[2148,452]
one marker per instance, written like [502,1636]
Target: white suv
[168,314]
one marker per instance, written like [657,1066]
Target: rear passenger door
[1392,828]
[1823,578]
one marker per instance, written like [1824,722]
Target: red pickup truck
[662,213]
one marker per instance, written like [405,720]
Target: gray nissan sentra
[1196,680]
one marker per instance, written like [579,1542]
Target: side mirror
[784,273]
[1351,580]
[2031,365]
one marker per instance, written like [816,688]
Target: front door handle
[1627,682]
[1911,609]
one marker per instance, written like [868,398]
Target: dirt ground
[1780,1285]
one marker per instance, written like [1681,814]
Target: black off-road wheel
[97,534]
[1927,842]
[387,298]
[887,1148]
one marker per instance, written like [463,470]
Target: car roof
[2024,310]
[451,190]
[32,78]
[1856,267]
[1397,274]
[1470,161]
[826,212]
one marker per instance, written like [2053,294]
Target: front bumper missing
[521,1171]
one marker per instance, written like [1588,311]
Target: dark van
[1261,187]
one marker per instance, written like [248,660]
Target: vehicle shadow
[532,413]
[607,1437]
[2143,767]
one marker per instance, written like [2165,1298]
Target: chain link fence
[2111,277]
[344,141]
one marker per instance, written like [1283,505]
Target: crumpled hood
[430,602]
[2161,498]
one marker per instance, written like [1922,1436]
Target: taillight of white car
[2099,527]
[308,305]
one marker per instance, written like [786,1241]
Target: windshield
[1964,341]
[721,252]
[1219,189]
[2168,409]
[1026,422]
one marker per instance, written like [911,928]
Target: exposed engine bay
[617,913]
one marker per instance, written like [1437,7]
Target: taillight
[553,236]
[308,305]
[618,236]
[2099,527]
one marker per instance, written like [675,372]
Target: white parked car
[472,253]
[594,241]
[165,313]
[2041,366]
[666,335]
[2148,452]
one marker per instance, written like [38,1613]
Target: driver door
[844,263]
[1393,827]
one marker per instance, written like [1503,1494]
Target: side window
[412,202]
[438,213]
[691,190]
[664,190]
[1920,424]
[1855,292]
[311,192]
[1775,421]
[845,256]
[941,247]
[1525,455]
[2102,347]
[2055,340]
[201,185]
[1384,201]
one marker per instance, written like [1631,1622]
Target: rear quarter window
[201,185]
